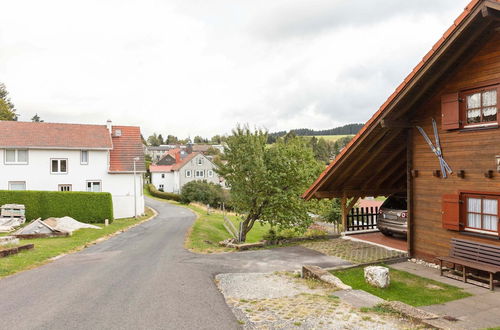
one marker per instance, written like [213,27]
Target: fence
[362,218]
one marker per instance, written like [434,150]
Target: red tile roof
[126,147]
[312,189]
[160,168]
[53,136]
[175,167]
[123,149]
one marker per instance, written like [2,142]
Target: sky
[201,67]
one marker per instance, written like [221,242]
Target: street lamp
[135,190]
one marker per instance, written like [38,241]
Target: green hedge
[165,195]
[87,207]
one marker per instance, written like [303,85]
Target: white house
[178,167]
[74,157]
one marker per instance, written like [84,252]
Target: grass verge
[47,248]
[408,288]
[208,229]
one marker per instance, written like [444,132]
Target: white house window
[65,187]
[94,186]
[200,161]
[84,157]
[17,185]
[482,213]
[58,166]
[199,174]
[16,156]
[163,175]
[161,187]
[210,173]
[188,173]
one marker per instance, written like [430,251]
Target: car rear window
[395,203]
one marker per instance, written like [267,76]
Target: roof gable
[374,138]
[126,147]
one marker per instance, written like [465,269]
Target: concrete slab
[359,298]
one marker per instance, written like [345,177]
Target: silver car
[392,215]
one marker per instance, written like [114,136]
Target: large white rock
[377,276]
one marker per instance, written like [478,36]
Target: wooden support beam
[346,208]
[373,155]
[386,165]
[396,171]
[388,123]
[409,193]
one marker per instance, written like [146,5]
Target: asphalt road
[141,279]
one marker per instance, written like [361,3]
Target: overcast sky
[199,67]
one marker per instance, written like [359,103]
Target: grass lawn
[46,248]
[332,138]
[208,230]
[408,288]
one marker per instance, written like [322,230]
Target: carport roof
[374,162]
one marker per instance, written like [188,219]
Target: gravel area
[281,301]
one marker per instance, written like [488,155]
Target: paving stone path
[294,305]
[354,251]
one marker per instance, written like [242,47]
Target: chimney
[178,156]
[108,125]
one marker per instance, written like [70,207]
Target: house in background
[74,157]
[180,166]
[457,84]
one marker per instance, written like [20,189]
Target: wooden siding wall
[473,151]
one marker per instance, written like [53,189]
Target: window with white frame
[199,174]
[84,157]
[200,161]
[65,187]
[210,173]
[188,173]
[94,186]
[16,156]
[161,187]
[482,213]
[163,175]
[17,185]
[58,166]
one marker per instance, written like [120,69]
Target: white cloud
[200,67]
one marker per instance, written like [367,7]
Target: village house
[74,157]
[180,166]
[457,85]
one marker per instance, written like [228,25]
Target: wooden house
[457,84]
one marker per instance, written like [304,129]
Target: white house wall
[37,175]
[168,181]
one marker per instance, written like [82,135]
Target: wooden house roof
[374,162]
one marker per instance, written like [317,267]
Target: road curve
[140,279]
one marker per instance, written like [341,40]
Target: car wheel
[386,233]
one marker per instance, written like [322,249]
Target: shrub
[203,192]
[160,194]
[87,207]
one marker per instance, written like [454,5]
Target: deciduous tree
[267,181]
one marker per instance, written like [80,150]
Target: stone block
[377,276]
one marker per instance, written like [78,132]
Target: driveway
[143,278]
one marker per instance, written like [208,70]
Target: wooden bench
[473,255]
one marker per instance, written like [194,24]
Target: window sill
[480,235]
[477,128]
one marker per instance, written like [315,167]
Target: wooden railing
[362,218]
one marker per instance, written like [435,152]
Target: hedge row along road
[90,207]
[141,279]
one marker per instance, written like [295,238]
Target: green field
[332,138]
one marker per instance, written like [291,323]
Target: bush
[87,207]
[165,195]
[203,192]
